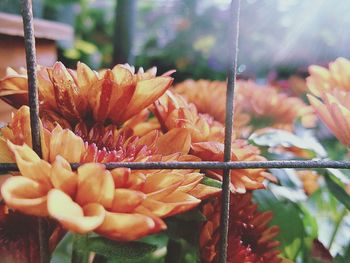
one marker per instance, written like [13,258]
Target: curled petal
[14,89]
[62,176]
[176,140]
[126,227]
[191,180]
[146,92]
[67,144]
[85,78]
[125,200]
[71,215]
[159,185]
[6,155]
[25,195]
[124,178]
[175,203]
[103,90]
[95,185]
[202,191]
[30,165]
[66,92]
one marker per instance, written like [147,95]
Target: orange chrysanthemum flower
[241,179]
[334,111]
[251,102]
[277,109]
[207,141]
[210,98]
[173,111]
[92,194]
[85,96]
[333,89]
[250,239]
[336,77]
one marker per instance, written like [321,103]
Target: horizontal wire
[10,167]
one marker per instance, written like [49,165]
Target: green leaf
[80,253]
[211,182]
[123,251]
[291,194]
[192,215]
[335,186]
[272,138]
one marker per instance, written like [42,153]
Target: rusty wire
[233,24]
[29,43]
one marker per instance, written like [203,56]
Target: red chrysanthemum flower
[250,239]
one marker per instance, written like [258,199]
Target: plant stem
[80,254]
[337,225]
[174,251]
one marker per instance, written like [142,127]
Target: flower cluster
[117,115]
[249,239]
[330,94]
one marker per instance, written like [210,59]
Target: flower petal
[146,92]
[71,215]
[30,165]
[25,195]
[67,144]
[126,227]
[125,178]
[66,92]
[6,156]
[62,176]
[175,203]
[125,200]
[176,140]
[95,185]
[202,191]
[158,185]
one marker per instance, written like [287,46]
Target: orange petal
[202,191]
[6,156]
[125,200]
[95,185]
[104,90]
[124,178]
[123,77]
[191,180]
[176,140]
[85,78]
[62,176]
[67,144]
[66,92]
[126,227]
[30,165]
[14,89]
[175,203]
[158,185]
[71,215]
[25,195]
[146,92]
[46,90]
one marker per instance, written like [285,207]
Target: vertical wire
[231,83]
[29,42]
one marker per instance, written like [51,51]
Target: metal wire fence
[226,165]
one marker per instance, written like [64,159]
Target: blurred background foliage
[279,35]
